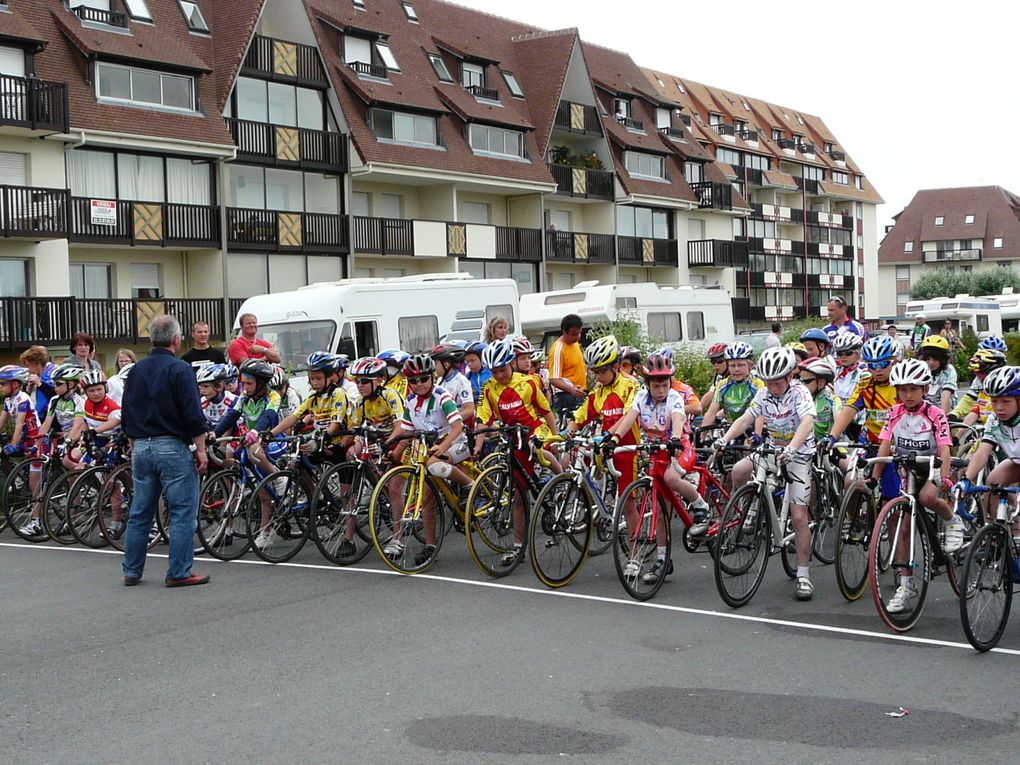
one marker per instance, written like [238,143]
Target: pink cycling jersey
[922,431]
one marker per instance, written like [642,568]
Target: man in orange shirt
[568,375]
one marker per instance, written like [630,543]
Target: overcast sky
[920,94]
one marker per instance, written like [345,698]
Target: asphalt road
[308,663]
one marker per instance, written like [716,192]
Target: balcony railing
[639,251]
[577,118]
[583,182]
[378,71]
[674,134]
[383,236]
[716,253]
[524,244]
[754,176]
[712,195]
[832,220]
[838,156]
[777,213]
[948,256]
[807,148]
[100,16]
[289,146]
[577,247]
[33,104]
[631,124]
[284,61]
[808,185]
[686,119]
[480,91]
[748,135]
[286,231]
[48,320]
[788,143]
[724,129]
[150,224]
[33,212]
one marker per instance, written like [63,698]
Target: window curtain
[141,178]
[188,182]
[92,174]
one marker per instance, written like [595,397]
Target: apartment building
[180,155]
[970,229]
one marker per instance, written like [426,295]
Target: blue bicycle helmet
[477,348]
[211,373]
[1002,382]
[499,354]
[15,373]
[878,349]
[394,357]
[230,371]
[739,350]
[993,343]
[818,335]
[322,361]
[342,360]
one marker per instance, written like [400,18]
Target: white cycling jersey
[214,410]
[656,419]
[783,415]
[459,388]
[846,380]
[1004,436]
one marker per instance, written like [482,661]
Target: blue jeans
[162,466]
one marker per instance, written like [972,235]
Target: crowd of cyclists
[393,451]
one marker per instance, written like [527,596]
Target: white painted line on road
[565,594]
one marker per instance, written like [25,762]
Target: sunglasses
[878,364]
[364,380]
[419,380]
[837,299]
[845,353]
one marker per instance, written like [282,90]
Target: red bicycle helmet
[717,351]
[657,365]
[418,365]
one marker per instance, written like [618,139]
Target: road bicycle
[21,501]
[854,523]
[81,489]
[115,499]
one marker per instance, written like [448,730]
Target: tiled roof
[996,215]
[232,25]
[14,26]
[543,60]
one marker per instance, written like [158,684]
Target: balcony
[631,124]
[837,156]
[831,220]
[830,281]
[383,236]
[748,135]
[578,247]
[775,246]
[33,104]
[716,253]
[398,236]
[638,251]
[754,176]
[712,195]
[100,16]
[51,320]
[686,119]
[741,308]
[673,134]
[480,91]
[285,146]
[825,249]
[807,148]
[777,213]
[790,144]
[724,129]
[952,256]
[807,185]
[523,244]
[283,61]
[583,182]
[286,231]
[148,224]
[577,118]
[33,213]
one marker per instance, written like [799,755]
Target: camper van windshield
[296,340]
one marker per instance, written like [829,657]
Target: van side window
[665,326]
[695,325]
[367,338]
[504,312]
[982,322]
[418,333]
[626,302]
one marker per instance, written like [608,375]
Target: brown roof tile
[232,25]
[14,26]
[543,60]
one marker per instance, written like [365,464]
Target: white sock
[802,571]
[905,581]
[699,504]
[661,553]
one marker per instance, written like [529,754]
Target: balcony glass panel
[282,104]
[188,182]
[309,109]
[322,193]
[252,101]
[284,190]
[247,187]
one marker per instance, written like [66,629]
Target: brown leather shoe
[188,580]
[131,581]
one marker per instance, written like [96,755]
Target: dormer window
[440,66]
[968,218]
[515,87]
[939,220]
[98,12]
[412,15]
[715,119]
[829,148]
[358,56]
[663,119]
[193,15]
[387,57]
[145,87]
[621,108]
[777,134]
[138,10]
[472,75]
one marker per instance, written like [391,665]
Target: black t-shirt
[199,358]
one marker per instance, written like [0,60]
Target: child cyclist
[789,416]
[917,426]
[975,406]
[19,412]
[475,371]
[934,351]
[816,374]
[514,399]
[717,358]
[66,409]
[395,358]
[733,395]
[658,412]
[850,370]
[102,413]
[448,359]
[326,410]
[429,408]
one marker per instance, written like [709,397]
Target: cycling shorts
[798,488]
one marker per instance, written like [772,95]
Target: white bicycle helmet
[847,341]
[739,350]
[776,363]
[820,367]
[93,377]
[910,372]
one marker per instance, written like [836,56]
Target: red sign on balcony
[103,212]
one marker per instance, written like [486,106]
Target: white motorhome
[982,315]
[361,317]
[673,314]
[1009,305]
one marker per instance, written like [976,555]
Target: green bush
[792,330]
[693,367]
[1013,348]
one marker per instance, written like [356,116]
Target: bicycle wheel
[639,535]
[560,531]
[491,525]
[83,507]
[742,546]
[603,532]
[897,532]
[340,513]
[54,503]
[222,522]
[854,524]
[277,516]
[987,586]
[404,513]
[823,513]
[20,500]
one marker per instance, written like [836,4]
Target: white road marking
[562,594]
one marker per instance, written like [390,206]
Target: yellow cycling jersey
[383,410]
[398,383]
[326,408]
[608,404]
[876,400]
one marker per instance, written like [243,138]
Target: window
[511,82]
[757,162]
[715,119]
[441,71]
[474,212]
[859,183]
[777,134]
[418,333]
[503,311]
[939,220]
[621,108]
[828,146]
[145,281]
[412,15]
[663,119]
[360,203]
[88,280]
[14,278]
[188,182]
[138,10]
[643,222]
[694,172]
[729,156]
[472,75]
[969,218]
[140,178]
[145,87]
[908,246]
[486,139]
[362,341]
[193,15]
[401,127]
[814,173]
[357,50]
[982,319]
[997,243]
[645,165]
[391,206]
[840,177]
[665,327]
[695,325]
[387,57]
[359,4]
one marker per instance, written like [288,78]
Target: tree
[942,283]
[992,282]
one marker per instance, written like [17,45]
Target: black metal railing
[712,195]
[325,232]
[686,119]
[631,251]
[589,122]
[513,243]
[571,247]
[315,149]
[191,225]
[946,256]
[285,61]
[808,185]
[286,231]
[597,183]
[672,133]
[480,91]
[33,212]
[741,307]
[160,224]
[383,236]
[100,16]
[748,135]
[754,176]
[378,71]
[838,156]
[34,104]
[723,129]
[631,124]
[788,143]
[716,253]
[807,148]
